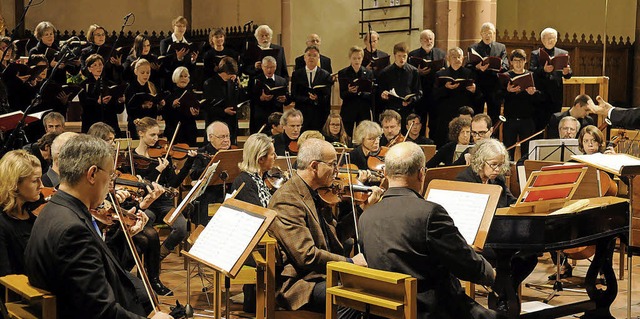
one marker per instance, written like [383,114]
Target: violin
[181,150]
[158,150]
[375,162]
[132,184]
[338,191]
[353,170]
[143,162]
[293,146]
[275,178]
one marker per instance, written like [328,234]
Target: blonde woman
[139,103]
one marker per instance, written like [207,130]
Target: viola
[293,146]
[375,160]
[275,178]
[132,184]
[338,191]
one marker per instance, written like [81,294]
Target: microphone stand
[15,29]
[19,128]
[373,78]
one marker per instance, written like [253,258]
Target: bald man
[325,62]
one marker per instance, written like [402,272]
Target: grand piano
[599,224]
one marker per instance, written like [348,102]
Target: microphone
[248,23]
[128,16]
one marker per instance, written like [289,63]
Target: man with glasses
[480,129]
[325,62]
[582,108]
[569,127]
[291,122]
[308,235]
[219,139]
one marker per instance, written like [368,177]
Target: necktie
[95,226]
[310,79]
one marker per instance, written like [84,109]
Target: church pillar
[285,41]
[457,22]
[636,61]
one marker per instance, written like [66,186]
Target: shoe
[164,252]
[160,288]
[567,273]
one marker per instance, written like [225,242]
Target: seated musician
[466,111]
[42,150]
[591,141]
[148,129]
[404,233]
[308,236]
[291,122]
[334,131]
[273,124]
[20,184]
[325,62]
[65,253]
[367,137]
[219,139]
[175,113]
[54,122]
[569,127]
[415,123]
[263,103]
[356,103]
[459,134]
[390,121]
[103,131]
[480,129]
[581,109]
[51,178]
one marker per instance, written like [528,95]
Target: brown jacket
[303,247]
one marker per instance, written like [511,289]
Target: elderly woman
[459,134]
[367,137]
[175,113]
[20,184]
[489,162]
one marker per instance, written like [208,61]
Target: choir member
[223,92]
[175,58]
[324,63]
[403,79]
[274,127]
[334,131]
[356,102]
[96,106]
[459,134]
[54,122]
[311,90]
[264,35]
[263,101]
[174,113]
[218,51]
[97,36]
[141,49]
[450,96]
[548,79]
[414,127]
[22,88]
[581,111]
[371,52]
[427,52]
[291,122]
[10,48]
[390,121]
[139,96]
[487,81]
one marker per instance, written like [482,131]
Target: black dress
[14,235]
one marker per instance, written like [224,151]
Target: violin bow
[408,131]
[526,139]
[287,158]
[353,203]
[262,128]
[143,272]
[115,161]
[166,156]
[133,167]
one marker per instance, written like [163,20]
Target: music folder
[9,121]
[470,205]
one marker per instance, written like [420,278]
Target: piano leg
[505,299]
[602,263]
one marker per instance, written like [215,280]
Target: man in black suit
[314,103]
[263,102]
[547,79]
[486,79]
[428,52]
[252,67]
[66,253]
[582,107]
[403,79]
[404,233]
[325,62]
[625,118]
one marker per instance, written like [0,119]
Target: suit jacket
[281,63]
[627,118]
[260,110]
[549,83]
[404,233]
[303,246]
[325,63]
[489,78]
[554,121]
[427,81]
[315,112]
[66,256]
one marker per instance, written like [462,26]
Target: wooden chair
[24,301]
[382,293]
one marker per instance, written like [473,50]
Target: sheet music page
[185,201]
[225,238]
[208,175]
[610,161]
[466,209]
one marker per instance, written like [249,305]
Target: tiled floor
[173,275]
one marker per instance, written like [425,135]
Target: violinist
[390,121]
[138,105]
[97,107]
[175,113]
[103,131]
[459,134]
[219,139]
[291,121]
[367,137]
[274,127]
[306,230]
[20,184]
[148,130]
[223,91]
[334,131]
[52,177]
[66,254]
[414,126]
[42,149]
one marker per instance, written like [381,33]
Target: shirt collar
[175,39]
[314,69]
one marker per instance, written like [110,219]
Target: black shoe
[160,288]
[567,273]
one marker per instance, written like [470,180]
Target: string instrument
[275,178]
[132,184]
[45,196]
[338,191]
[181,150]
[293,146]
[142,161]
[353,170]
[375,160]
[158,150]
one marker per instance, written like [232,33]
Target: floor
[173,276]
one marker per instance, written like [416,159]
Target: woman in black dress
[97,107]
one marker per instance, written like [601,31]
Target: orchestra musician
[222,89]
[420,239]
[311,90]
[390,121]
[42,149]
[219,139]
[356,103]
[148,130]
[415,123]
[459,134]
[324,62]
[404,79]
[291,122]
[103,131]
[218,50]
[174,113]
[66,254]
[51,178]
[367,137]
[334,130]
[569,127]
[481,129]
[581,109]
[20,185]
[274,127]
[96,107]
[263,103]
[138,96]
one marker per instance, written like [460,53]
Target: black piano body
[599,224]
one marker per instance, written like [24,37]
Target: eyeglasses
[222,137]
[493,166]
[112,176]
[335,124]
[480,133]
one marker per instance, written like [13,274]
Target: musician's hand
[363,175]
[406,103]
[229,110]
[181,53]
[265,97]
[467,159]
[566,70]
[374,197]
[161,315]
[602,108]
[513,88]
[282,98]
[122,195]
[531,90]
[352,88]
[192,153]
[359,260]
[313,97]
[194,111]
[176,103]
[451,85]
[163,163]
[140,222]
[548,67]
[482,67]
[472,88]
[153,192]
[384,95]
[609,150]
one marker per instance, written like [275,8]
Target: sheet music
[466,209]
[208,175]
[226,237]
[610,161]
[184,202]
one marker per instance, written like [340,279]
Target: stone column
[286,29]
[457,22]
[636,61]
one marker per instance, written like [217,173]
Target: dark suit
[356,107]
[315,113]
[487,82]
[260,110]
[421,240]
[426,104]
[550,84]
[554,121]
[305,248]
[325,63]
[65,255]
[281,63]
[222,94]
[281,144]
[405,80]
[627,118]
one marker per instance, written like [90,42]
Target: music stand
[429,151]
[228,168]
[446,173]
[559,150]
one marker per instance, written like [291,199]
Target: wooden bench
[25,301]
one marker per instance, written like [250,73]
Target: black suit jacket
[627,118]
[325,63]
[404,233]
[66,256]
[549,83]
[315,112]
[260,110]
[281,64]
[427,81]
